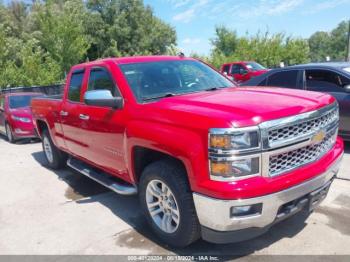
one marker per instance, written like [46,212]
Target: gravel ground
[62,212]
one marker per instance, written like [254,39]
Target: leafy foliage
[40,41]
[332,44]
[267,49]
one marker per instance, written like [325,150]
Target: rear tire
[9,134]
[165,192]
[56,158]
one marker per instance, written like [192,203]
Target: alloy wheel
[162,206]
[48,149]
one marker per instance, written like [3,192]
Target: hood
[237,107]
[21,112]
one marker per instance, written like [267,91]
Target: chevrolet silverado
[206,158]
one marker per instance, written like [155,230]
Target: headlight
[21,119]
[234,141]
[234,153]
[232,169]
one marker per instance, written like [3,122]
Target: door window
[100,79]
[325,81]
[75,85]
[236,68]
[284,79]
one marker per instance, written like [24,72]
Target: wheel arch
[144,156]
[41,125]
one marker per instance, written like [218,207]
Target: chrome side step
[101,177]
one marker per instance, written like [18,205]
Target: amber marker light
[223,169]
[220,141]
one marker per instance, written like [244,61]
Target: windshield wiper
[211,89]
[215,88]
[158,97]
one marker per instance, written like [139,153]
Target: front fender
[189,146]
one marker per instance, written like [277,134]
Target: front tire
[167,202]
[56,158]
[9,134]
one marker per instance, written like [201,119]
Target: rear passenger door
[286,78]
[103,127]
[70,114]
[322,80]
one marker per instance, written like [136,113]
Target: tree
[338,43]
[319,44]
[61,31]
[126,27]
[265,48]
[225,41]
[332,44]
[34,66]
[41,40]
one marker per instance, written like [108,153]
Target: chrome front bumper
[214,214]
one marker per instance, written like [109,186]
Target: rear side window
[100,79]
[75,85]
[226,69]
[284,79]
[325,81]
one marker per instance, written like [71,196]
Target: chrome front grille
[292,142]
[290,160]
[308,126]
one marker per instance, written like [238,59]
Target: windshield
[20,101]
[154,80]
[255,66]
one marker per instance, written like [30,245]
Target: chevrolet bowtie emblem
[318,137]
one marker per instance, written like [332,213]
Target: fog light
[20,131]
[249,210]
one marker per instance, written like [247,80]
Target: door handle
[64,113]
[84,117]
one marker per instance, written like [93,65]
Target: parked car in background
[207,159]
[242,71]
[16,120]
[331,78]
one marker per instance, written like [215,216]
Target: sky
[195,20]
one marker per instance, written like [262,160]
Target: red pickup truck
[207,159]
[242,71]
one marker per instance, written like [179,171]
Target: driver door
[236,71]
[103,128]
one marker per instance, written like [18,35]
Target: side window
[235,69]
[325,81]
[284,79]
[226,69]
[100,79]
[75,86]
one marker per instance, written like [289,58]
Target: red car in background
[242,71]
[16,120]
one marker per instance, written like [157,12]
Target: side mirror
[225,73]
[103,98]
